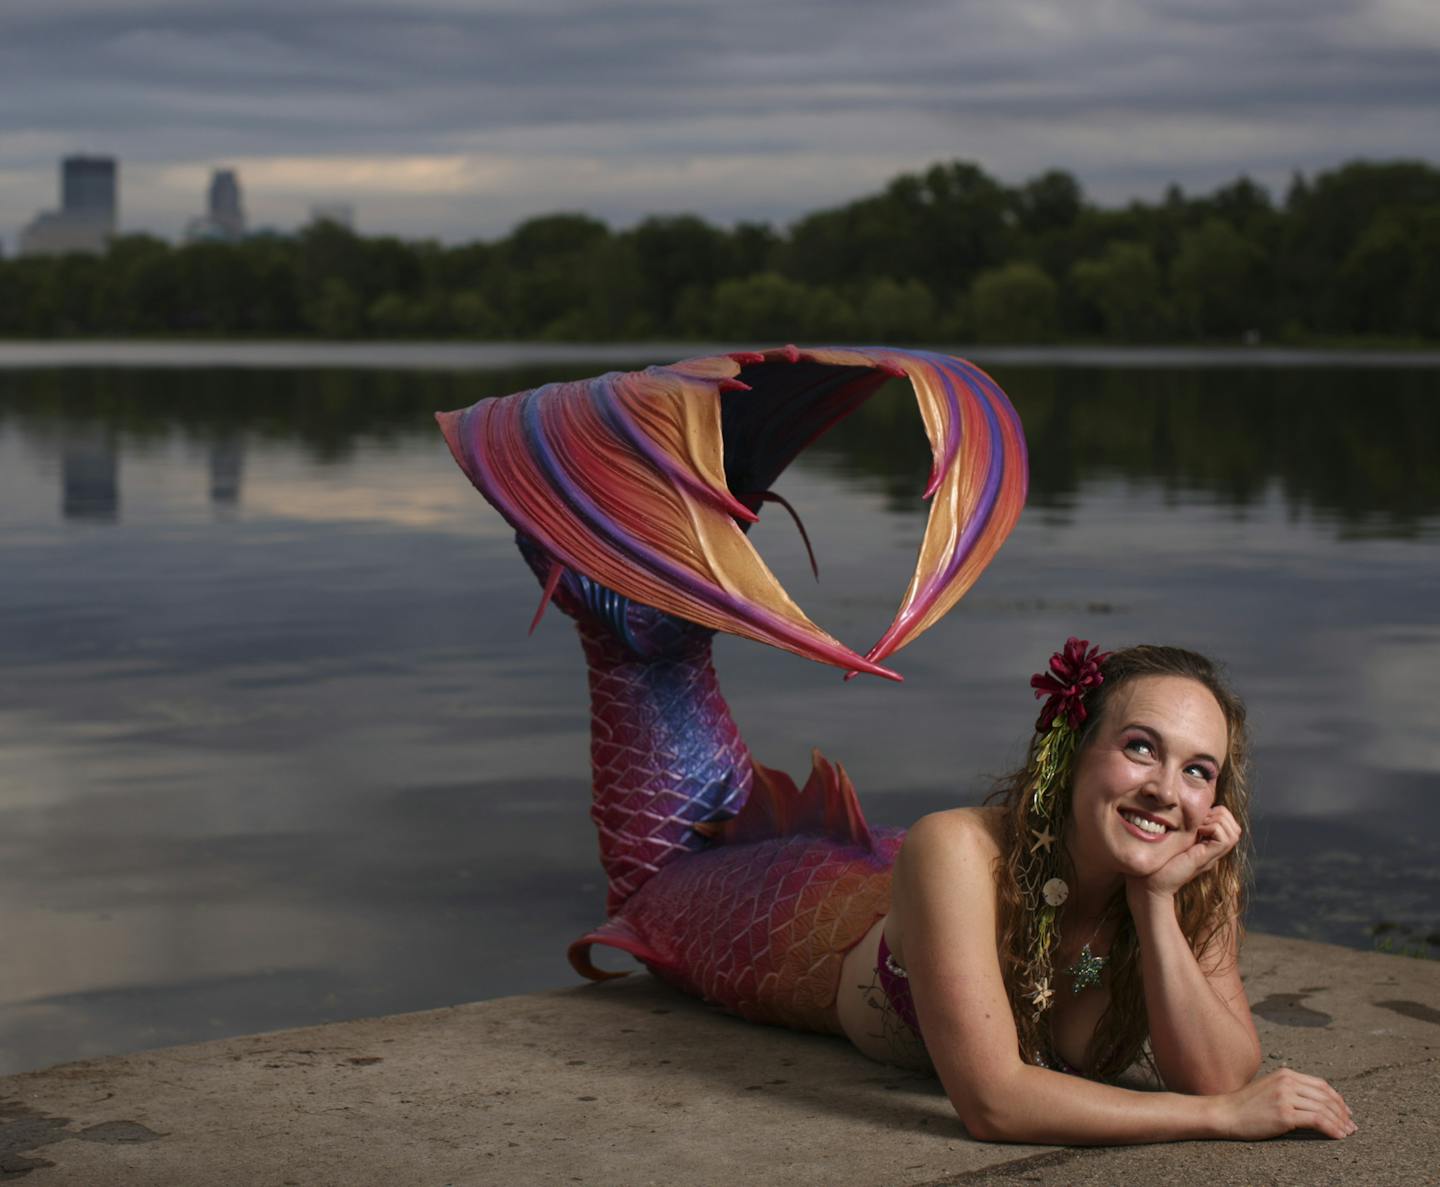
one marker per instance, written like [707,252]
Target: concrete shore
[629,1083]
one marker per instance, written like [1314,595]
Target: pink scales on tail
[761,923]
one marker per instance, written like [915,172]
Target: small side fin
[616,933]
[827,806]
[557,570]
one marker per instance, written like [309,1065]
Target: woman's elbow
[983,1126]
[1218,1081]
[991,1118]
[987,1131]
[1241,1074]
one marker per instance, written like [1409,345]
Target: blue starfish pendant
[1086,970]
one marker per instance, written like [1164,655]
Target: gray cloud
[457,118]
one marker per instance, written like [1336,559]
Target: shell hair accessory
[1073,674]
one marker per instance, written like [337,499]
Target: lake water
[275,748]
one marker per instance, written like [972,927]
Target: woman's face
[1146,776]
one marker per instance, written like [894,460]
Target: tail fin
[826,807]
[630,480]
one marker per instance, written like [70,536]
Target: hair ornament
[1073,674]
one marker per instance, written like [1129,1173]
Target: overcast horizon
[457,119]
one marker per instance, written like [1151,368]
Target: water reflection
[1352,446]
[89,474]
[274,747]
[227,466]
[1348,446]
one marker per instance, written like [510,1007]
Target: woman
[1095,906]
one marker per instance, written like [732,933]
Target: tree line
[950,254]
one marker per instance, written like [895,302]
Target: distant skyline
[458,118]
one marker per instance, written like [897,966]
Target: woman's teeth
[1144,824]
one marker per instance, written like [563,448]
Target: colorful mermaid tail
[625,492]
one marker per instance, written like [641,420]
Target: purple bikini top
[895,985]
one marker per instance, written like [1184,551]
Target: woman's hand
[1283,1101]
[1217,834]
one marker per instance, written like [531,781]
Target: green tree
[667,255]
[1126,289]
[1374,280]
[74,286]
[897,311]
[335,312]
[472,316]
[940,227]
[758,308]
[1324,221]
[217,288]
[751,248]
[1051,202]
[768,308]
[533,283]
[610,299]
[1422,299]
[1214,280]
[1014,303]
[1242,204]
[396,315]
[139,286]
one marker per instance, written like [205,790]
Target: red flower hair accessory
[1074,672]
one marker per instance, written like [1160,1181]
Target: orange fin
[827,807]
[616,933]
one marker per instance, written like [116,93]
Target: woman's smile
[1145,826]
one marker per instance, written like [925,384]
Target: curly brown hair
[1207,907]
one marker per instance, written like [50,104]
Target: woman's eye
[1200,771]
[1139,746]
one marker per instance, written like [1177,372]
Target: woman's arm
[1201,1030]
[945,909]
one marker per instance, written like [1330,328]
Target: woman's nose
[1161,788]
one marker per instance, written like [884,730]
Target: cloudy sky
[458,118]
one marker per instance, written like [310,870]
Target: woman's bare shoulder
[978,830]
[944,882]
[959,842]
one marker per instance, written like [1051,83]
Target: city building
[224,218]
[87,215]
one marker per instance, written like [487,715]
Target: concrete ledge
[629,1083]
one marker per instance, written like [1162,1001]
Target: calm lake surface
[275,748]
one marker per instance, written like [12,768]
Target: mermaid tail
[761,922]
[630,495]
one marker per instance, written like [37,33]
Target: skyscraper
[224,217]
[225,207]
[87,215]
[87,188]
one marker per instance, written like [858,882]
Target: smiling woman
[1088,920]
[1113,856]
